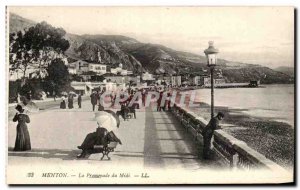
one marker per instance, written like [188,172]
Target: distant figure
[208,132]
[23,139]
[100,107]
[94,99]
[123,112]
[63,103]
[70,101]
[168,101]
[143,96]
[28,95]
[159,103]
[18,98]
[54,96]
[79,100]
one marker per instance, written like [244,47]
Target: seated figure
[123,112]
[100,137]
[111,137]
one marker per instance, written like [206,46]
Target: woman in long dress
[23,139]
[63,103]
[70,101]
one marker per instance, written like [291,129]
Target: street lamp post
[211,55]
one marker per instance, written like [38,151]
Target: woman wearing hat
[23,139]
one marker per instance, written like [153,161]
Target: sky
[257,35]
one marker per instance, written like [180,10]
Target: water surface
[275,102]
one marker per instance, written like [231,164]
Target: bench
[128,113]
[105,150]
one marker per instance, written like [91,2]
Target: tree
[58,76]
[76,77]
[20,55]
[36,48]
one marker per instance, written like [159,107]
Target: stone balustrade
[234,152]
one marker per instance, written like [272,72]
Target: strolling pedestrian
[22,142]
[18,98]
[123,112]
[168,101]
[29,95]
[208,132]
[54,96]
[159,103]
[79,99]
[94,99]
[63,103]
[143,96]
[70,101]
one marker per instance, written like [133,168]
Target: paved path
[154,145]
[153,140]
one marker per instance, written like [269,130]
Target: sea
[276,102]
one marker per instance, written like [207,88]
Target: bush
[14,87]
[35,86]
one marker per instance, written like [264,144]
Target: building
[78,67]
[97,68]
[117,79]
[120,71]
[176,80]
[197,80]
[123,79]
[72,69]
[86,88]
[147,77]
[163,79]
[207,81]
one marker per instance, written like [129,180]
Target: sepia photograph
[150,95]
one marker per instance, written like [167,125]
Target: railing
[233,151]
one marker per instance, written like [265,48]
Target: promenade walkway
[156,150]
[153,140]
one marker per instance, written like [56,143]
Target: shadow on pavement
[193,147]
[46,153]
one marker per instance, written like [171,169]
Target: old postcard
[150,95]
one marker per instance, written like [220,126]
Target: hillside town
[97,74]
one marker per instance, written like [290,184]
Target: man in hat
[208,132]
[79,99]
[94,99]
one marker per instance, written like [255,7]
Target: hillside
[154,58]
[286,70]
[17,23]
[264,74]
[110,52]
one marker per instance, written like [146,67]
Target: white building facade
[97,68]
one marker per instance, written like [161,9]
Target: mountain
[286,70]
[154,58]
[17,23]
[264,74]
[87,47]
